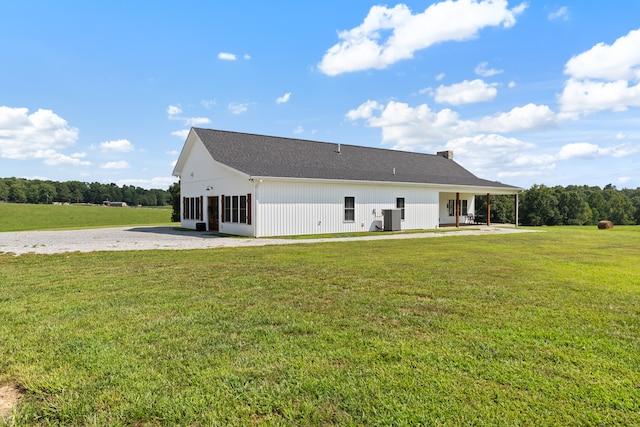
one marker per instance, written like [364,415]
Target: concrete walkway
[149,238]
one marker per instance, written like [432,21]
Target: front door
[214,213]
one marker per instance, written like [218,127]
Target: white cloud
[172,152]
[120,145]
[196,121]
[175,113]
[621,135]
[53,158]
[466,92]
[582,97]
[298,130]
[562,13]
[162,182]
[581,150]
[182,134]
[604,77]
[247,56]
[284,98]
[619,61]
[116,165]
[363,47]
[483,71]
[420,127]
[440,76]
[225,56]
[625,150]
[365,110]
[238,108]
[39,135]
[494,154]
[528,117]
[173,110]
[511,84]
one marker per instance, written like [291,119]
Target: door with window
[214,214]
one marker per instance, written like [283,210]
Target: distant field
[22,217]
[539,329]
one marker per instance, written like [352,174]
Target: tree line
[539,205]
[570,205]
[21,190]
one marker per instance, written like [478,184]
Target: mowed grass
[25,217]
[529,329]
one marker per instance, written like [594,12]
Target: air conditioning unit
[392,219]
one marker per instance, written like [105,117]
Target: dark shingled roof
[269,156]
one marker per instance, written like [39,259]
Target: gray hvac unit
[391,219]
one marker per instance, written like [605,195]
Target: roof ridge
[316,142]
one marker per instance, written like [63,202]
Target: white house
[256,185]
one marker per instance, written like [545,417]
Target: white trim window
[349,209]
[400,205]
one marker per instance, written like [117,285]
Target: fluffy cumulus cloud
[120,145]
[39,135]
[364,46]
[488,153]
[484,145]
[466,92]
[422,128]
[605,77]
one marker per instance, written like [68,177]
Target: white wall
[292,208]
[203,176]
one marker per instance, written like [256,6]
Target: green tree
[573,208]
[17,192]
[4,191]
[539,206]
[174,195]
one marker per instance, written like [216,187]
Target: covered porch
[468,208]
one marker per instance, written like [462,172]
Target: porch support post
[457,209]
[515,201]
[488,209]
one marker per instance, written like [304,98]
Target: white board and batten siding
[293,207]
[204,177]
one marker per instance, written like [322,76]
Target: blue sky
[524,93]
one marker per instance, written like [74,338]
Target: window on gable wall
[227,209]
[192,208]
[235,209]
[349,209]
[243,209]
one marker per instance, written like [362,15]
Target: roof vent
[338,151]
[446,154]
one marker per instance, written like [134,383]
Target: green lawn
[23,217]
[529,329]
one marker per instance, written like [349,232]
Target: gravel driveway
[147,238]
